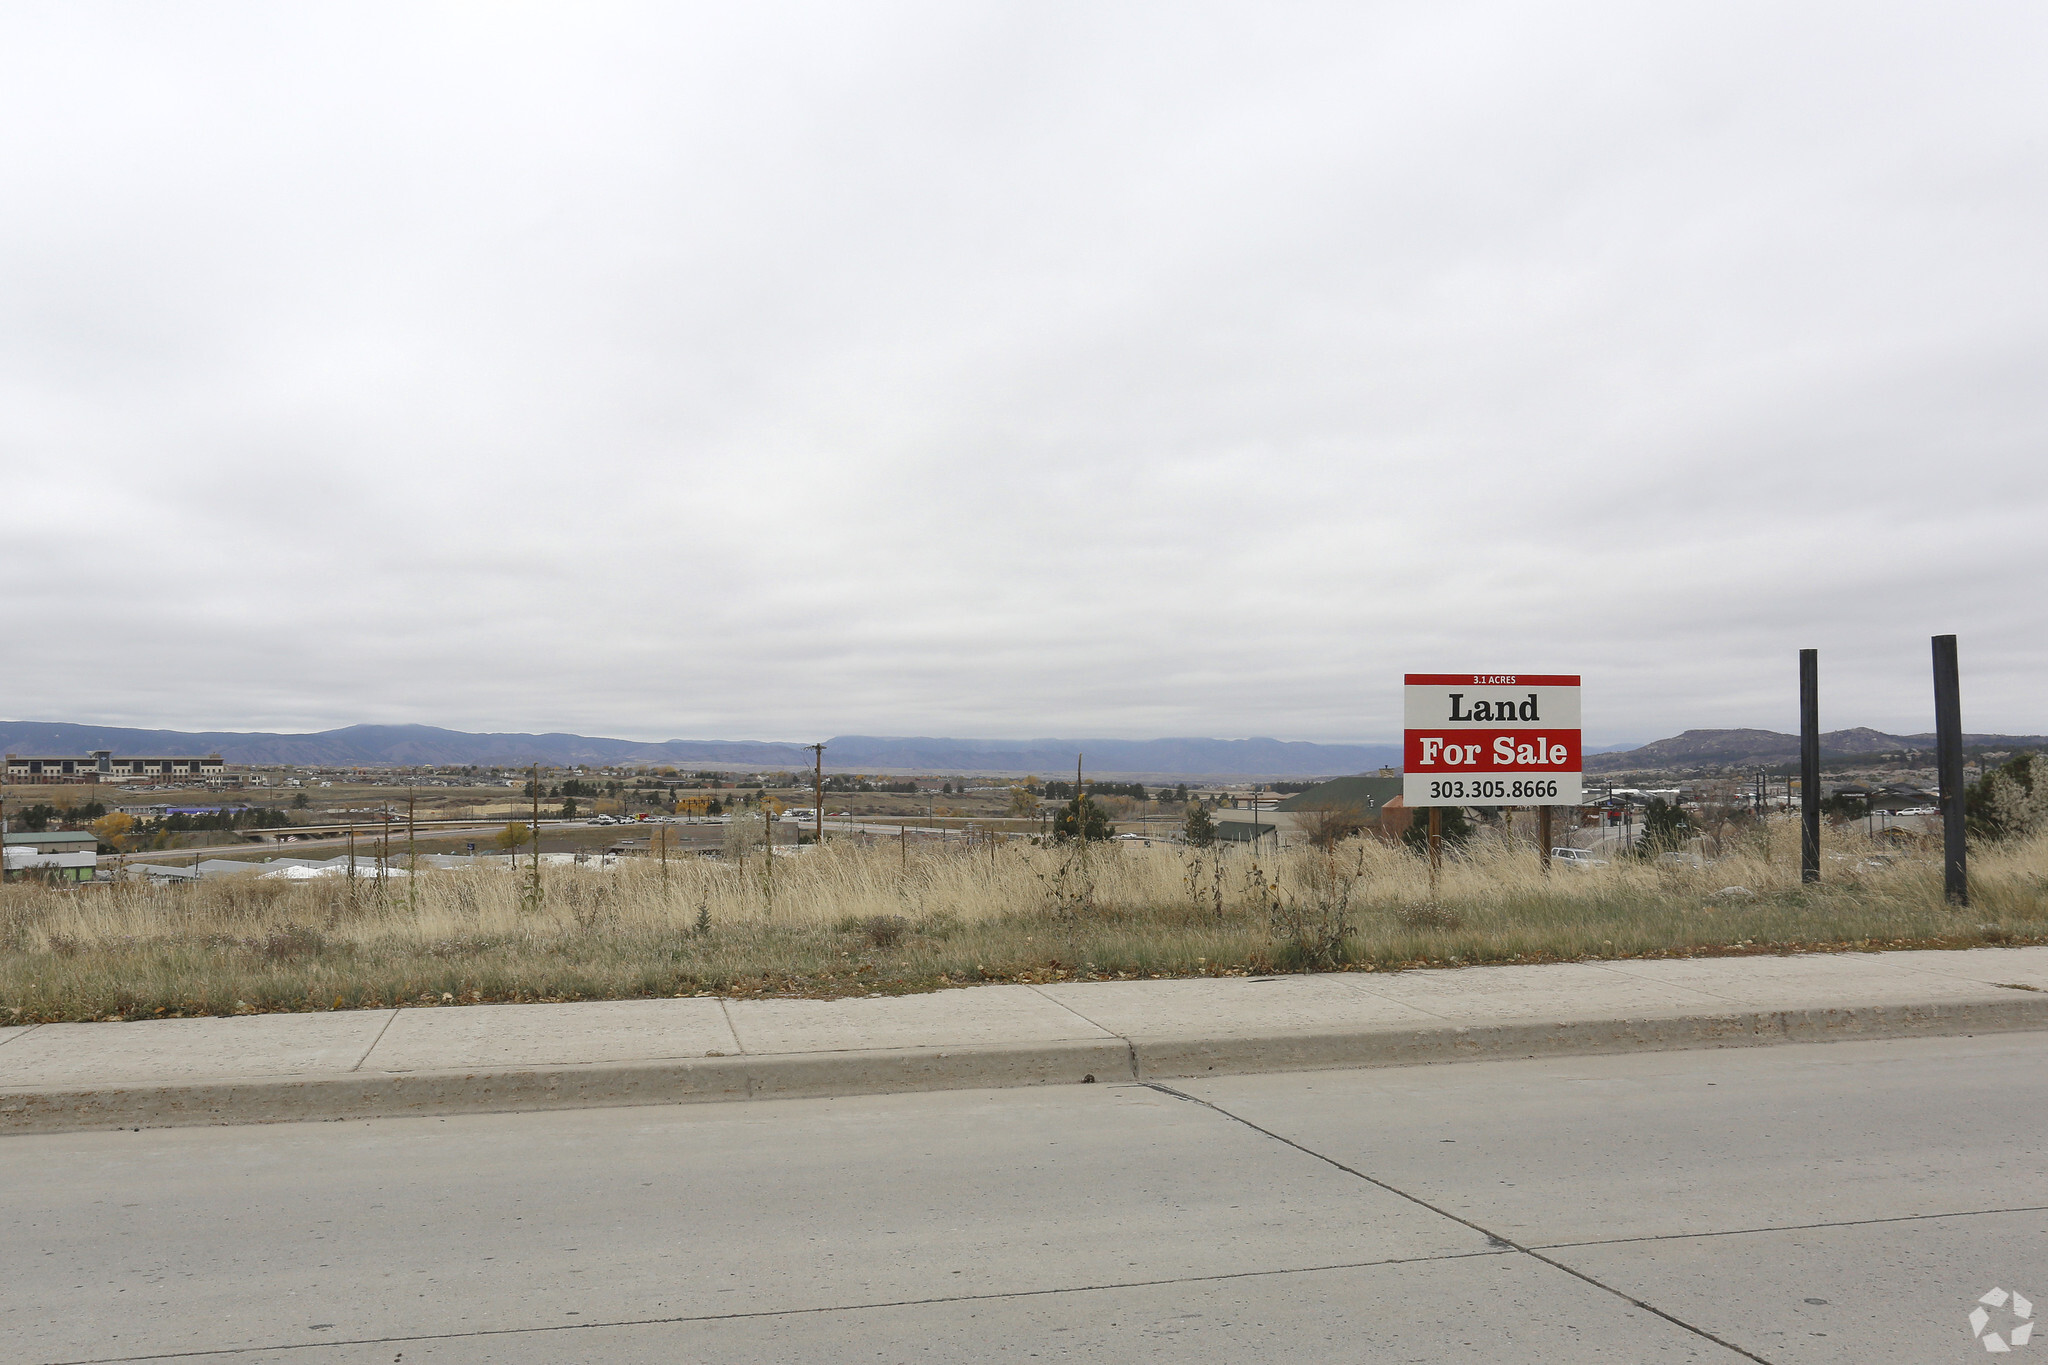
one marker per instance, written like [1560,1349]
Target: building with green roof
[1369,794]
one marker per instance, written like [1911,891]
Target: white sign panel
[1491,739]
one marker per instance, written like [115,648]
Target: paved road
[1834,1203]
[1605,840]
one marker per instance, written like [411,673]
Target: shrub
[1084,813]
[1457,830]
[2007,802]
[885,931]
[290,943]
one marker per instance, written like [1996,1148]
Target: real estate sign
[1491,739]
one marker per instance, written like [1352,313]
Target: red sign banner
[1491,751]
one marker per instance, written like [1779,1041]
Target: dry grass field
[850,920]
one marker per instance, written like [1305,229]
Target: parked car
[1576,857]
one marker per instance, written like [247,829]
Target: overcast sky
[758,371]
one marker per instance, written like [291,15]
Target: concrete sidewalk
[281,1067]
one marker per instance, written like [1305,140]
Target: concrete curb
[289,1099]
[818,1074]
[1320,1051]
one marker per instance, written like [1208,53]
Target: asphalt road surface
[1842,1203]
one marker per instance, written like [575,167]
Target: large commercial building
[102,766]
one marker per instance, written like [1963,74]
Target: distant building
[1234,828]
[1267,815]
[67,855]
[1368,795]
[102,766]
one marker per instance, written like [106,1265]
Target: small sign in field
[1491,739]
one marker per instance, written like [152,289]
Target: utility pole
[1080,818]
[1809,765]
[534,893]
[818,794]
[412,850]
[1948,739]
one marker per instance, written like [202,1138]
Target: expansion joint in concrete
[1493,1239]
[388,1022]
[1106,1287]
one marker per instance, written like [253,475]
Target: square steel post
[1948,761]
[1809,765]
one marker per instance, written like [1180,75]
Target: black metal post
[1948,761]
[1809,765]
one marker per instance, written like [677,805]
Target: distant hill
[1184,757]
[406,745]
[1733,748]
[372,746]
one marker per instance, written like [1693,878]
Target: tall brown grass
[849,919]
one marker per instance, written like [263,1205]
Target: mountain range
[408,745]
[366,746]
[1736,748]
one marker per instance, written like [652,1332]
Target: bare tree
[1328,823]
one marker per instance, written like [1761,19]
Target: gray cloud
[1015,370]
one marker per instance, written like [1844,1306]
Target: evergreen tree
[2009,802]
[1092,820]
[1456,828]
[1665,827]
